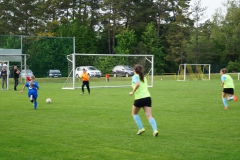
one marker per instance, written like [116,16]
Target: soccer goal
[194,72]
[107,70]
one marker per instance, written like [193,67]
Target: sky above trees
[212,6]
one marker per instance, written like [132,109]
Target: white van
[91,71]
[26,73]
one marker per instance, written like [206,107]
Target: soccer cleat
[226,108]
[235,98]
[31,98]
[155,133]
[140,131]
[82,93]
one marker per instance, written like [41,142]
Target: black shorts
[228,90]
[143,102]
[85,83]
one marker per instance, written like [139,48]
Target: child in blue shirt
[32,90]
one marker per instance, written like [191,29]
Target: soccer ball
[48,100]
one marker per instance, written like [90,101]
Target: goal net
[194,72]
[118,67]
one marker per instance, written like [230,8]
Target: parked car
[54,73]
[122,70]
[92,71]
[26,73]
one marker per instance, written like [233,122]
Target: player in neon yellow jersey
[142,100]
[228,88]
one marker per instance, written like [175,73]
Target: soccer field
[190,115]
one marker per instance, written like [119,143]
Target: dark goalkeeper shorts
[85,83]
[228,90]
[143,102]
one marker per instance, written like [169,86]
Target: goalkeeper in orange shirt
[85,81]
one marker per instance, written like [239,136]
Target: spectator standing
[4,77]
[16,73]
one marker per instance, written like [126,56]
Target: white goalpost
[105,64]
[194,72]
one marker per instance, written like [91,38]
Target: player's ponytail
[139,70]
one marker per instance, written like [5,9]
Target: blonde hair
[32,80]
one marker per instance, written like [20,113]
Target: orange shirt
[85,77]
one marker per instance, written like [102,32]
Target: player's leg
[235,96]
[148,113]
[35,95]
[230,94]
[30,96]
[137,119]
[224,99]
[230,97]
[83,84]
[88,88]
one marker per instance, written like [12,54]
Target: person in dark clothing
[16,73]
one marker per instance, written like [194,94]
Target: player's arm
[80,77]
[136,87]
[222,84]
[223,78]
[137,84]
[23,88]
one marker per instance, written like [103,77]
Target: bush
[233,66]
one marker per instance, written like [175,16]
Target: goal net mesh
[105,63]
[194,72]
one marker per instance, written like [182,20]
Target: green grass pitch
[190,115]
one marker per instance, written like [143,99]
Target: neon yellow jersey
[228,81]
[142,91]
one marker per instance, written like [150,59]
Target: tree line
[171,30]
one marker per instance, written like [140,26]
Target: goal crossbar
[72,71]
[194,71]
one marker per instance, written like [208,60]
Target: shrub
[233,66]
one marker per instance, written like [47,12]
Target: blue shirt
[32,89]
